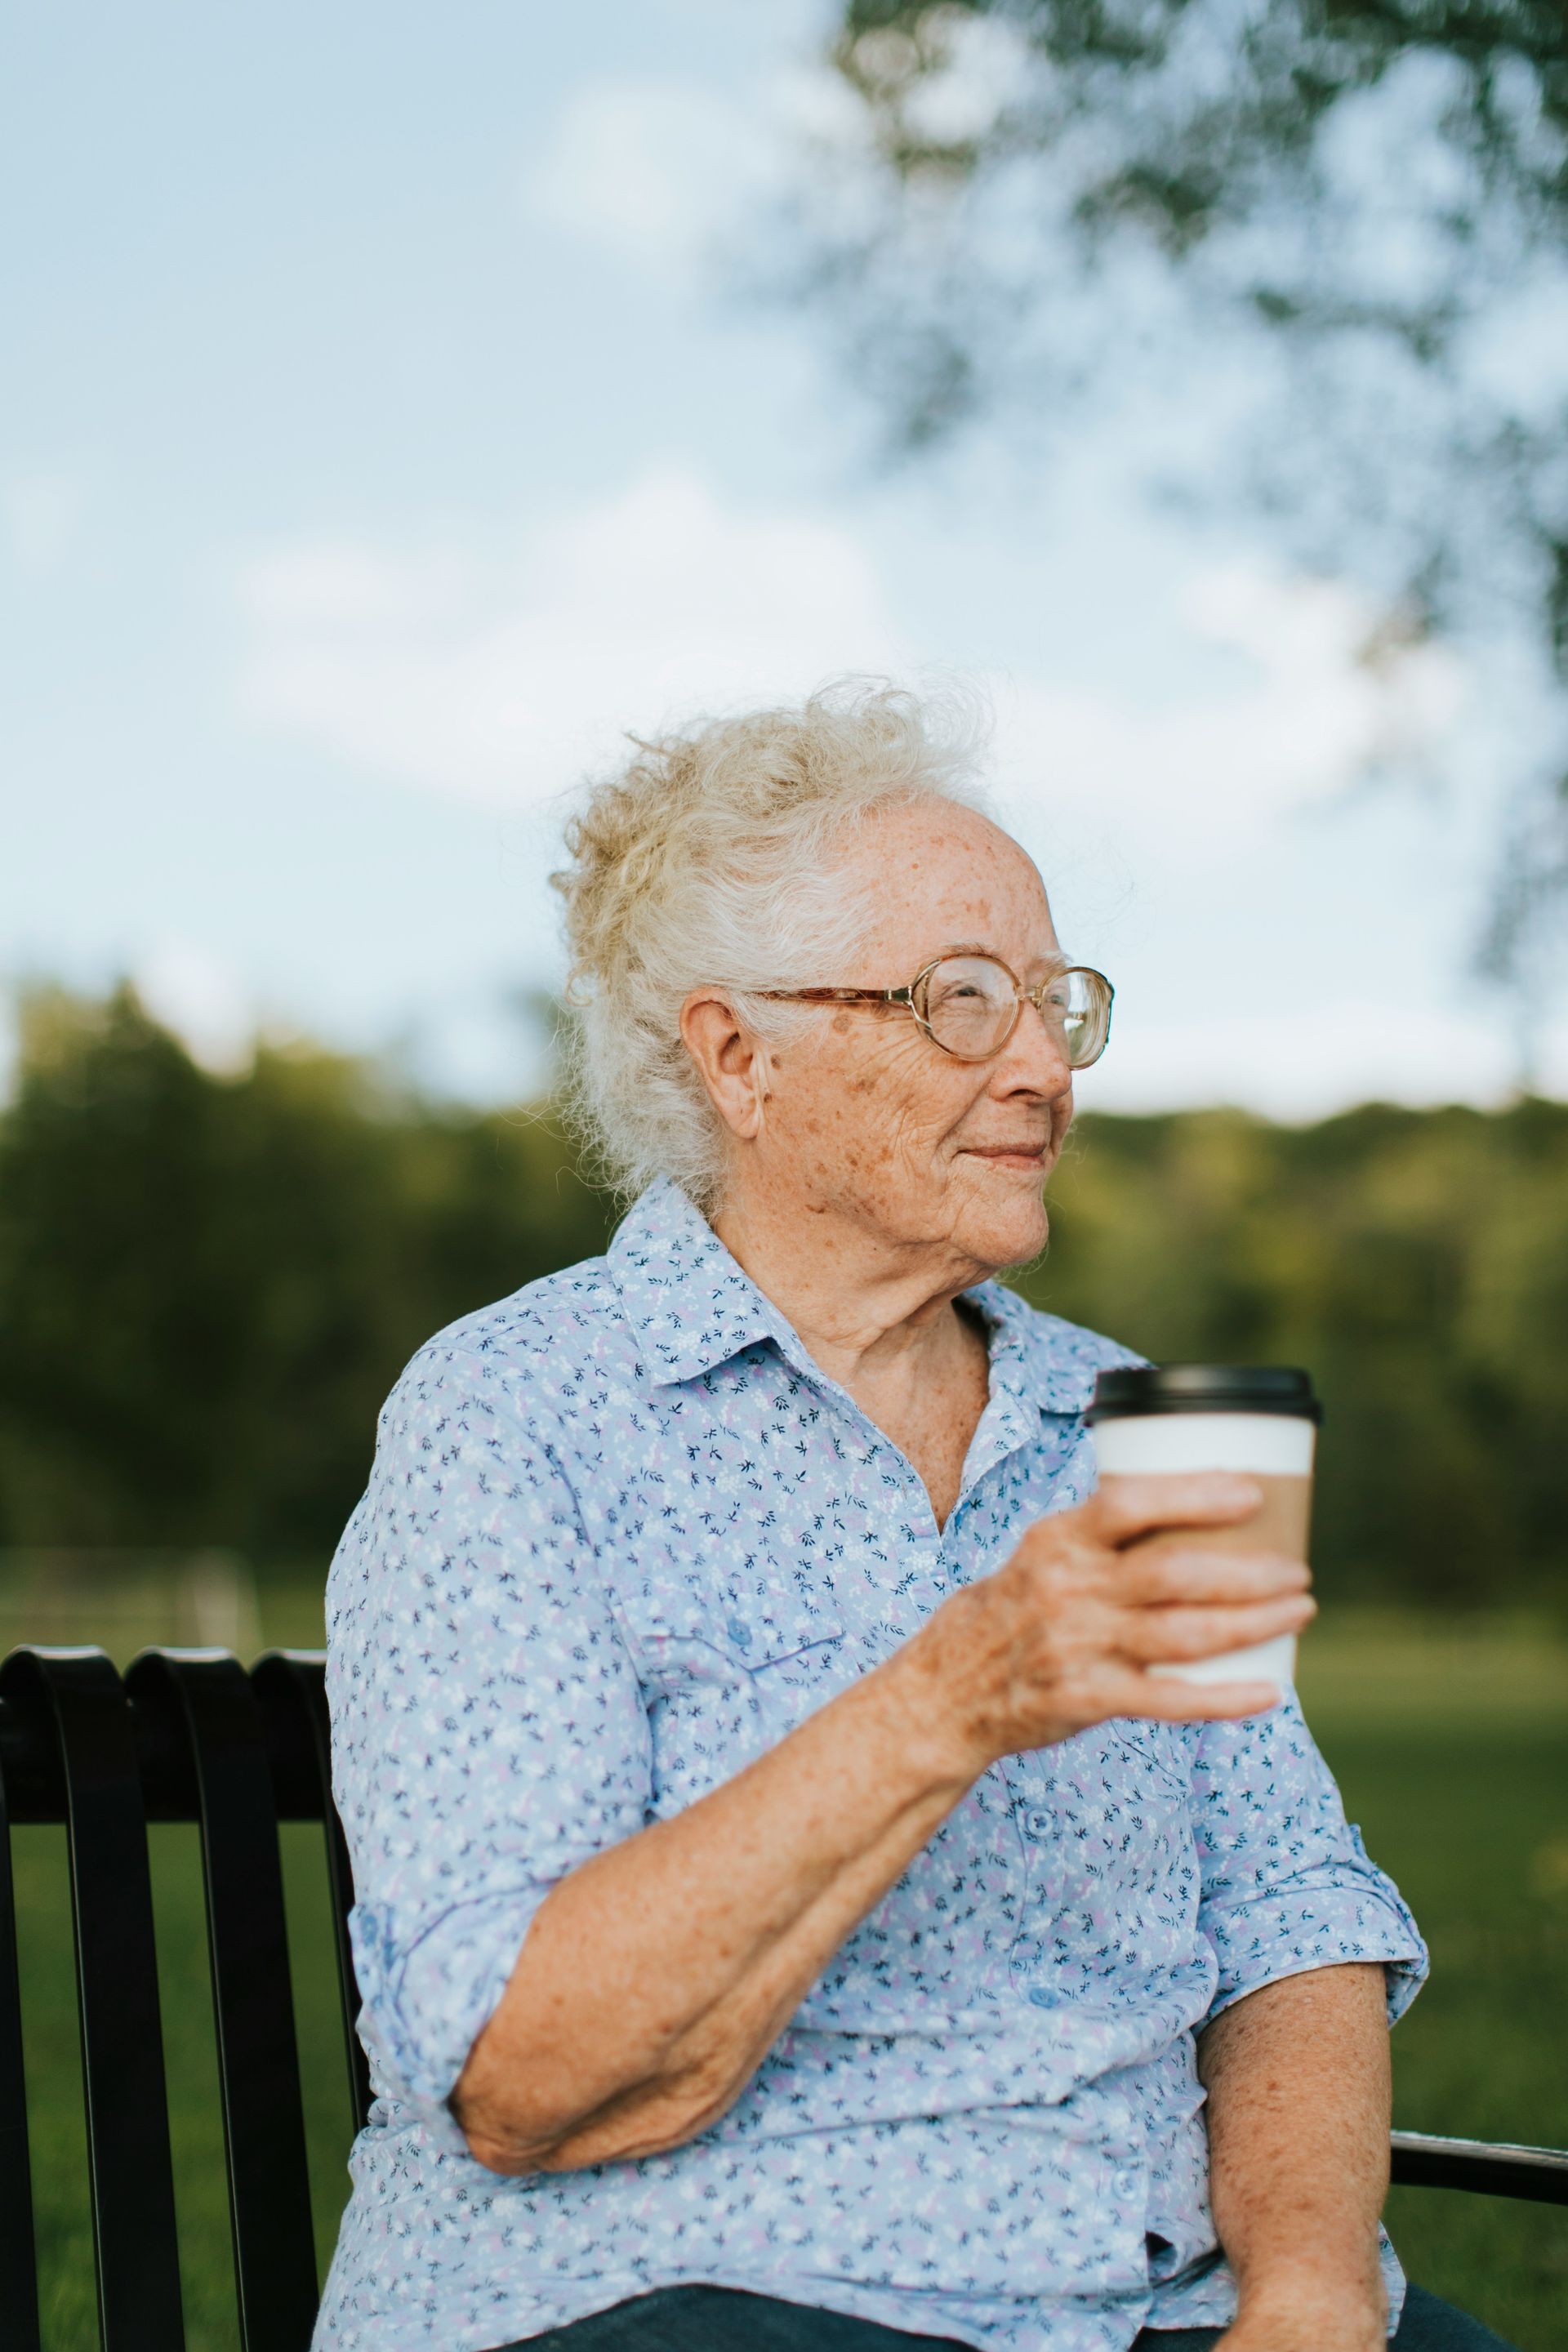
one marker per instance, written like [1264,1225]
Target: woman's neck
[866,1308]
[882,1320]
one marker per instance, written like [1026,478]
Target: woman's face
[866,1120]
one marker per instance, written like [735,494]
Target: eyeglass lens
[970,1007]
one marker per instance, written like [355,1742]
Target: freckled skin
[871,1177]
[872,1126]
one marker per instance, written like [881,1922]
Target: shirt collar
[693,1308]
[691,1304]
[1036,1357]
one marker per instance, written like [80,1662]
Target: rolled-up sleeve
[487,1727]
[1287,1884]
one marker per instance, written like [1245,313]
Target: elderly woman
[790,1912]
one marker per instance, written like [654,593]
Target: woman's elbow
[577,2149]
[650,2124]
[504,2136]
[507,2156]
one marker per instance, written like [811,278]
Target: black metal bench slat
[207,1704]
[130,2174]
[18,2269]
[290,1686]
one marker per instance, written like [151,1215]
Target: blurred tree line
[209,1284]
[1416,1261]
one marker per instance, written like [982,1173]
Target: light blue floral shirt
[621,1536]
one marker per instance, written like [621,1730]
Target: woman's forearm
[1297,2081]
[655,1978]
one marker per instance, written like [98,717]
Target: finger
[1150,1577]
[1178,1702]
[1150,1636]
[1127,1507]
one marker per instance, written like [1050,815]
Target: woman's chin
[1006,1232]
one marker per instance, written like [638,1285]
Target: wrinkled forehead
[938,876]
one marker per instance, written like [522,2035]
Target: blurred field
[1451,1743]
[1451,1746]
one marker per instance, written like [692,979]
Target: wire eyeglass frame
[914,996]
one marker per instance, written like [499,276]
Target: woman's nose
[1036,1054]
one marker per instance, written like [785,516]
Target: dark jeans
[721,2319]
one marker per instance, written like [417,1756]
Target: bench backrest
[184,1736]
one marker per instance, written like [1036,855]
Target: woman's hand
[1063,1635]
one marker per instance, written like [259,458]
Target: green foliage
[1054,203]
[1416,1262]
[208,1285]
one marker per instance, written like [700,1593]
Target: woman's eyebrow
[1051,956]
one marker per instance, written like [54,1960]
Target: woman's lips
[1010,1155]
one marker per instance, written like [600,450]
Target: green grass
[1451,1745]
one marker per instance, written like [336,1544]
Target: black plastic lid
[1147,1389]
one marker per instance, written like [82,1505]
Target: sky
[391,420]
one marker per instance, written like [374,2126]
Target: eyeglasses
[971,1005]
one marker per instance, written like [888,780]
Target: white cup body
[1270,1445]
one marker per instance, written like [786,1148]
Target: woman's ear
[733,1061]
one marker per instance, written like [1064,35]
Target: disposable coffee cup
[1260,1419]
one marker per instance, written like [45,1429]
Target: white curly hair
[714,858]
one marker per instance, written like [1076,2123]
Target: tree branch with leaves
[1341,222]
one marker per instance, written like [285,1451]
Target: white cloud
[1216,769]
[1188,834]
[337,587]
[659,171]
[650,169]
[499,681]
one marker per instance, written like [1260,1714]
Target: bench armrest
[1497,2168]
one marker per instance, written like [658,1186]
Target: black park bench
[190,1736]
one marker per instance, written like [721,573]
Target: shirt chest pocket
[726,1676]
[1155,1749]
[750,1635]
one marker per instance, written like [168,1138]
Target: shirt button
[1037,1822]
[1125,2184]
[739,1633]
[1042,1997]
